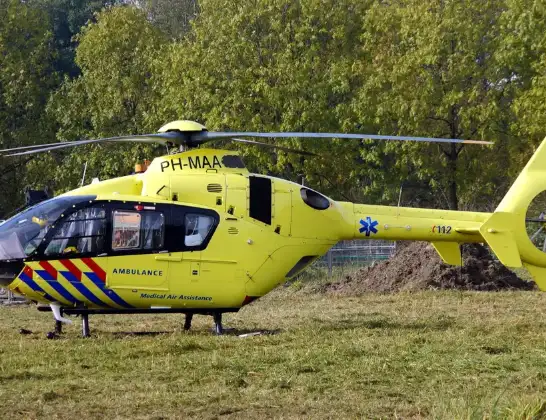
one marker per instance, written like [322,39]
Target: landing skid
[85,312]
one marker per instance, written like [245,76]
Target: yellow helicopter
[196,233]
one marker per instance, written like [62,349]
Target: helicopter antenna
[84,171]
[399,199]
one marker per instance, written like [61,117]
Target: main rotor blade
[273,146]
[36,146]
[204,136]
[171,137]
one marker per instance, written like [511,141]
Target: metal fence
[349,255]
[7,297]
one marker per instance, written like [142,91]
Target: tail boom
[504,230]
[402,223]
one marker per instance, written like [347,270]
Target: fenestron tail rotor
[189,134]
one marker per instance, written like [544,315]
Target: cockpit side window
[21,235]
[83,232]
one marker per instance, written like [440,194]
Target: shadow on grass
[250,332]
[120,334]
[361,322]
[22,376]
[227,332]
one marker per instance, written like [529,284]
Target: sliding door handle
[168,258]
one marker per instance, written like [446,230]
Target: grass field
[424,355]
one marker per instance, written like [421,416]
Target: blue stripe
[82,288]
[110,293]
[69,276]
[45,275]
[34,286]
[59,288]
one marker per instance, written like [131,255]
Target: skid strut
[187,322]
[85,326]
[218,329]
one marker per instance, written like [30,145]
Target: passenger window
[126,230]
[137,230]
[153,227]
[198,227]
[81,233]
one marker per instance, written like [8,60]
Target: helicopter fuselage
[196,232]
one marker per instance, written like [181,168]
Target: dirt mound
[417,266]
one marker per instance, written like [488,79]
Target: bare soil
[417,266]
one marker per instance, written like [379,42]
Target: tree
[431,70]
[173,17]
[524,48]
[67,17]
[111,97]
[26,78]
[262,65]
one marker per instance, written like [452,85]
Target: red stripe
[76,272]
[28,271]
[49,268]
[96,268]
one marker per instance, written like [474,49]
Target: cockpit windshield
[21,235]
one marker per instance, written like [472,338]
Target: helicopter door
[138,235]
[190,234]
[281,208]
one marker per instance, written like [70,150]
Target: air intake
[233,231]
[214,188]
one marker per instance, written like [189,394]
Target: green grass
[423,355]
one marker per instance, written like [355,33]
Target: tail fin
[505,231]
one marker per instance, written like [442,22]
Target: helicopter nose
[9,271]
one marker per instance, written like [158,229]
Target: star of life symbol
[368,226]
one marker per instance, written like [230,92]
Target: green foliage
[26,80]
[441,68]
[111,97]
[525,47]
[173,17]
[431,70]
[67,17]
[278,65]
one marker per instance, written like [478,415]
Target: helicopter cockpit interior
[21,235]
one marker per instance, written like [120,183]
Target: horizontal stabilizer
[498,235]
[450,252]
[538,274]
